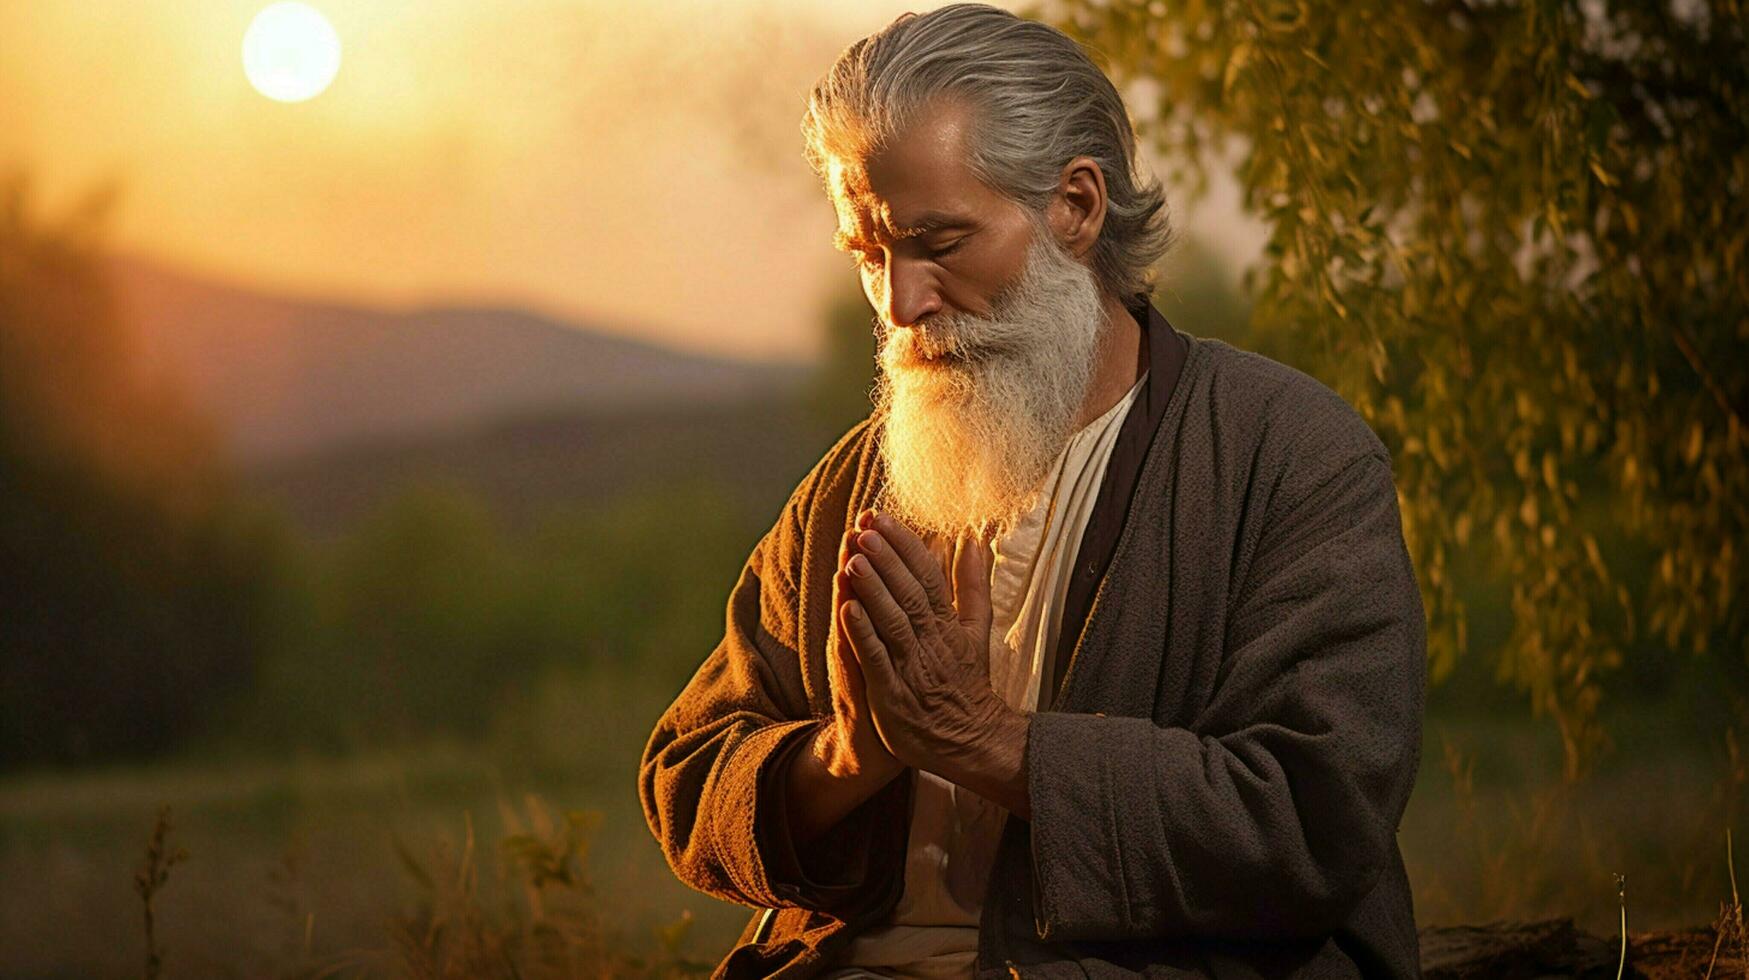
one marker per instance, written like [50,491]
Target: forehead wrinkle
[864,218]
[862,226]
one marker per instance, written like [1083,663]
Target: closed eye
[874,258]
[946,249]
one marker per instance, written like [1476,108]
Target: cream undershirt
[933,932]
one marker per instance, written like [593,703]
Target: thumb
[971,585]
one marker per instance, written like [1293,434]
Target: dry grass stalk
[535,917]
[150,879]
[1729,925]
[1621,892]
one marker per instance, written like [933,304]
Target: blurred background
[389,400]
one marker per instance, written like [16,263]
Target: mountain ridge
[284,377]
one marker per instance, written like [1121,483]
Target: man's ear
[1077,211]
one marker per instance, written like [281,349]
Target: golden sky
[633,165]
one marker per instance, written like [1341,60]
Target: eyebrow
[926,223]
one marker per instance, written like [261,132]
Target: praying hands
[923,653]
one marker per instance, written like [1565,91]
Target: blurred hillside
[750,452]
[283,377]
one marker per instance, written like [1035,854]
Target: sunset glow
[290,52]
[632,165]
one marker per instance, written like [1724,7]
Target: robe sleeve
[1279,813]
[711,778]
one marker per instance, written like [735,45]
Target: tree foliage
[1512,235]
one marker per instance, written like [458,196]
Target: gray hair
[1037,100]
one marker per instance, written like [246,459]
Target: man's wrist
[993,765]
[873,764]
[824,784]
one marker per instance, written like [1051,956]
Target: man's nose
[911,294]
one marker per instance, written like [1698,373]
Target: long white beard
[970,439]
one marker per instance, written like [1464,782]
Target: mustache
[956,337]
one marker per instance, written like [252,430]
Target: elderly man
[1095,649]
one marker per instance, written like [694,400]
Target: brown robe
[1236,726]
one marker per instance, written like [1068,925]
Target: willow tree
[1512,235]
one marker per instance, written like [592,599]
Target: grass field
[293,862]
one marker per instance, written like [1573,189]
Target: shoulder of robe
[1283,416]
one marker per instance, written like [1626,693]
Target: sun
[290,52]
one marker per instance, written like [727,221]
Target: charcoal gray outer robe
[1217,784]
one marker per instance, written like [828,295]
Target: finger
[971,585]
[913,597]
[917,601]
[841,591]
[941,550]
[841,587]
[841,669]
[924,564]
[847,546]
[871,654]
[886,614]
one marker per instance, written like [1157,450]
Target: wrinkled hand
[924,652]
[854,748]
